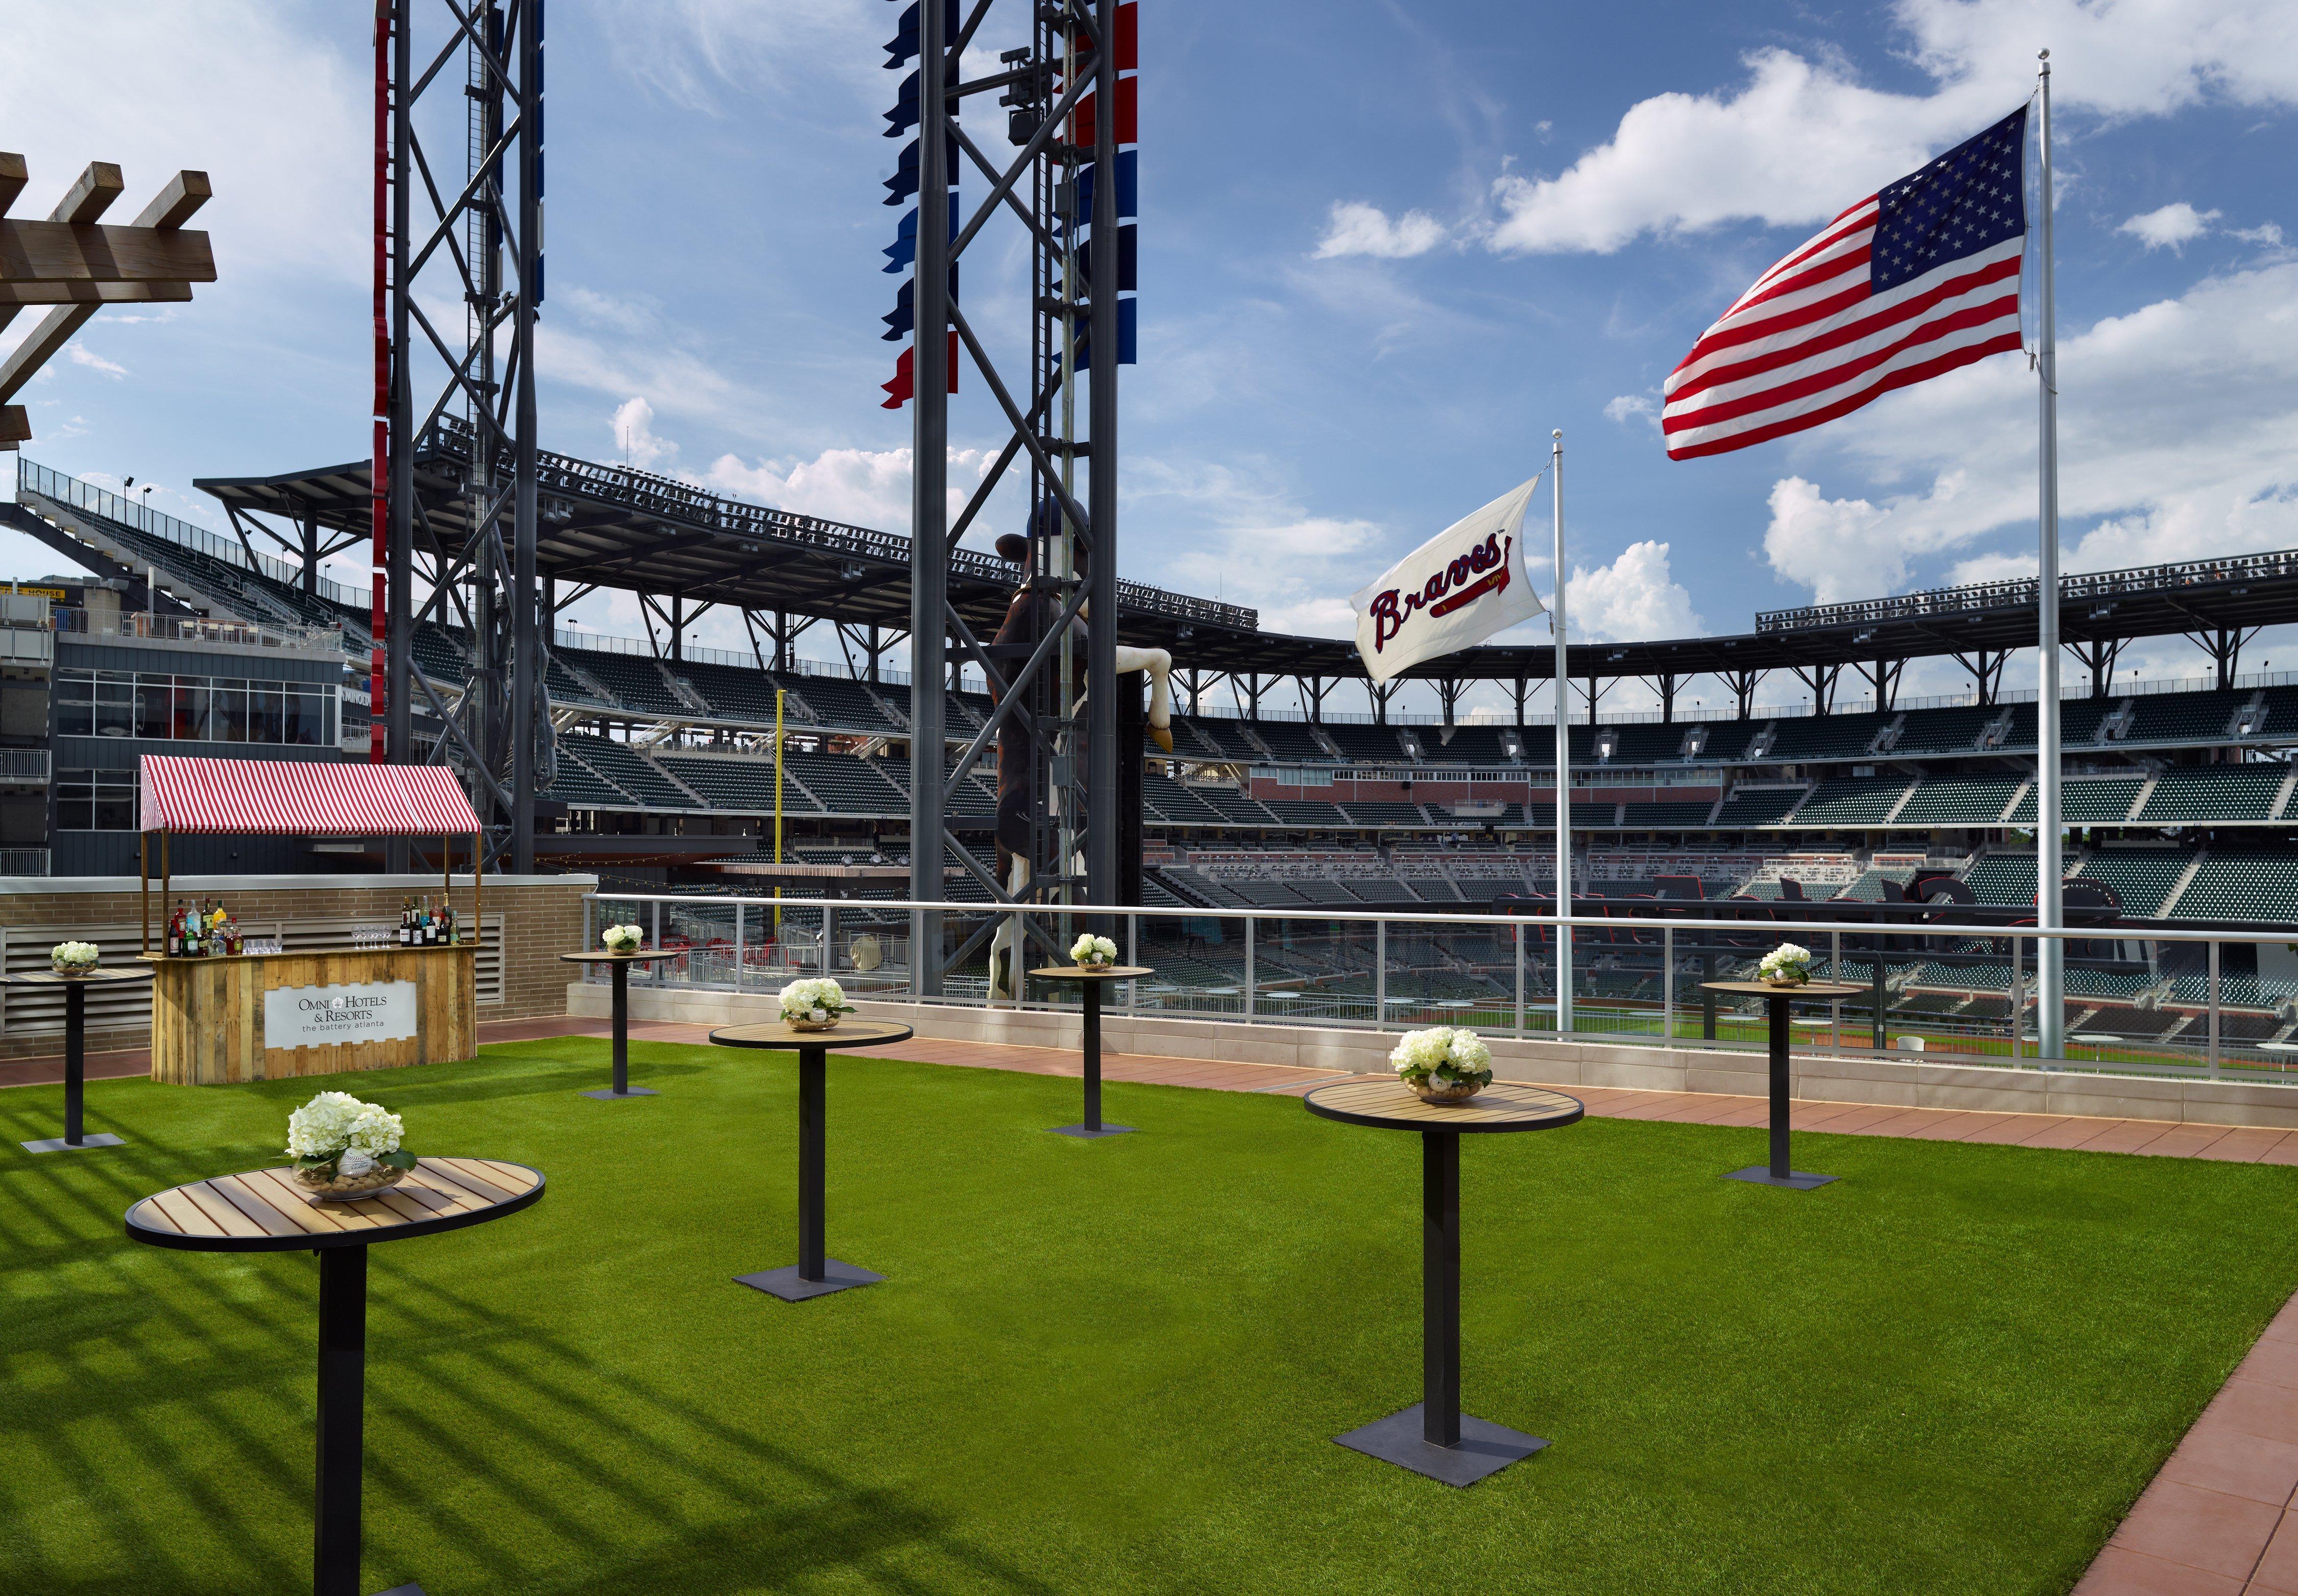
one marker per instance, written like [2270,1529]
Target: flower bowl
[324,1182]
[1429,1090]
[72,971]
[1788,978]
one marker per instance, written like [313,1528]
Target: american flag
[1907,284]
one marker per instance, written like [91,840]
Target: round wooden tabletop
[50,978]
[1391,1105]
[847,1033]
[1810,988]
[1090,971]
[266,1211]
[641,957]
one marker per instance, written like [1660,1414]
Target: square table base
[787,1283]
[1795,1180]
[608,1095]
[1090,1132]
[56,1144]
[1485,1448]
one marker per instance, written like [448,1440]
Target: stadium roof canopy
[622,528]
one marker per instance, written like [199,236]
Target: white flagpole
[2050,907]
[1563,754]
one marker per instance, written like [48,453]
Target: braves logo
[1484,568]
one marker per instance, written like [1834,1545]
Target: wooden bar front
[207,1014]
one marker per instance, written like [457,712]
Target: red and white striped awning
[299,799]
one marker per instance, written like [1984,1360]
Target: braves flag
[1907,285]
[1453,591]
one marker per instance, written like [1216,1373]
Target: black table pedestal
[75,1081]
[1092,1127]
[342,1412]
[1433,1436]
[623,1087]
[815,1274]
[1778,1172]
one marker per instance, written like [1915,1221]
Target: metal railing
[23,861]
[198,629]
[2142,1000]
[25,766]
[101,502]
[2021,592]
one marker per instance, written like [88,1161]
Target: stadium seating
[1227,739]
[837,702]
[1469,745]
[1759,807]
[1944,730]
[2086,803]
[2256,887]
[734,692]
[742,783]
[1305,812]
[1824,737]
[636,682]
[1386,815]
[1649,742]
[1665,814]
[2184,716]
[2214,792]
[1235,807]
[2003,879]
[2142,877]
[1972,801]
[848,785]
[1850,803]
[1290,742]
[1362,744]
[627,769]
[1176,802]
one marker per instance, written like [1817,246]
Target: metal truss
[1072,754]
[479,239]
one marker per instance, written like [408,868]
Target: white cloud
[1801,138]
[1356,228]
[1238,532]
[689,51]
[278,118]
[2171,227]
[1630,407]
[81,355]
[859,486]
[634,436]
[2266,233]
[2177,439]
[1634,599]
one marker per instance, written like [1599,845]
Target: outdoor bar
[220,1016]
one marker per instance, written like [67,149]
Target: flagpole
[1563,754]
[2050,908]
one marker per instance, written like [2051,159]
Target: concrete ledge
[1904,1081]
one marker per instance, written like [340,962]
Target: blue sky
[1385,249]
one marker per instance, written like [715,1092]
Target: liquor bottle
[406,924]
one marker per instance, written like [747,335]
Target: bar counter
[235,1017]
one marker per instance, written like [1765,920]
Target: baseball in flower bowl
[623,938]
[1443,1064]
[814,1004]
[1090,952]
[1786,965]
[345,1148]
[73,958]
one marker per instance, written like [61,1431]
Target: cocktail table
[1779,1172]
[1433,1436]
[815,1274]
[621,963]
[1090,980]
[75,1049]
[266,1211]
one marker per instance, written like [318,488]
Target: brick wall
[539,917]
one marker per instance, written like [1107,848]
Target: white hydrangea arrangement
[1786,965]
[623,938]
[818,1001]
[1443,1059]
[336,1134]
[1093,951]
[73,956]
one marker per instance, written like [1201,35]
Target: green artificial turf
[1111,1366]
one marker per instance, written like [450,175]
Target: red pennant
[903,388]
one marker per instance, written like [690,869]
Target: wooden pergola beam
[54,251]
